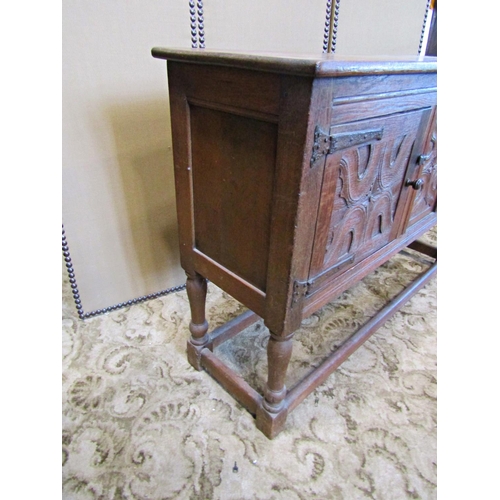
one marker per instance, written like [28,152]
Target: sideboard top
[317,65]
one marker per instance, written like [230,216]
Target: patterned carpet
[140,423]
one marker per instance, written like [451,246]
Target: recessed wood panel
[233,160]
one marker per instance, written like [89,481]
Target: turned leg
[271,415]
[196,286]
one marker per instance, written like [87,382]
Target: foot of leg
[271,416]
[270,424]
[279,352]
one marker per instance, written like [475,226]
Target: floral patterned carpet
[140,423]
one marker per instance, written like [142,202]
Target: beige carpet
[140,423]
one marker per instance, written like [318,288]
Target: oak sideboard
[296,176]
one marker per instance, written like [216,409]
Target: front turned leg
[196,286]
[272,413]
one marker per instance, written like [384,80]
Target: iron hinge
[325,144]
[321,145]
[300,290]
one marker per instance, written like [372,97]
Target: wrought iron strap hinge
[325,144]
[321,145]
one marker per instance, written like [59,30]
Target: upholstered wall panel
[380,27]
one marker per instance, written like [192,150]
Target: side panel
[225,133]
[233,160]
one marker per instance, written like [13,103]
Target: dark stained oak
[236,235]
[322,65]
[296,176]
[279,352]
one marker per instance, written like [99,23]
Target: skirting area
[140,423]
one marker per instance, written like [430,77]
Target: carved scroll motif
[369,181]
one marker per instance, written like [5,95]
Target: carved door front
[424,200]
[363,196]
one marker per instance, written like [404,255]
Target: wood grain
[296,176]
[314,65]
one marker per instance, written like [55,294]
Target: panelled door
[364,191]
[424,200]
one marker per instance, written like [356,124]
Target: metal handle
[423,158]
[416,185]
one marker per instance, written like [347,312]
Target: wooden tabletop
[315,65]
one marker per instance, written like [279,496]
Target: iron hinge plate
[325,144]
[321,145]
[300,290]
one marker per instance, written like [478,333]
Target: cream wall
[118,196]
[380,26]
[272,25]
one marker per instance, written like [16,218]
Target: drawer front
[363,195]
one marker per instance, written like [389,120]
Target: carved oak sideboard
[295,177]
